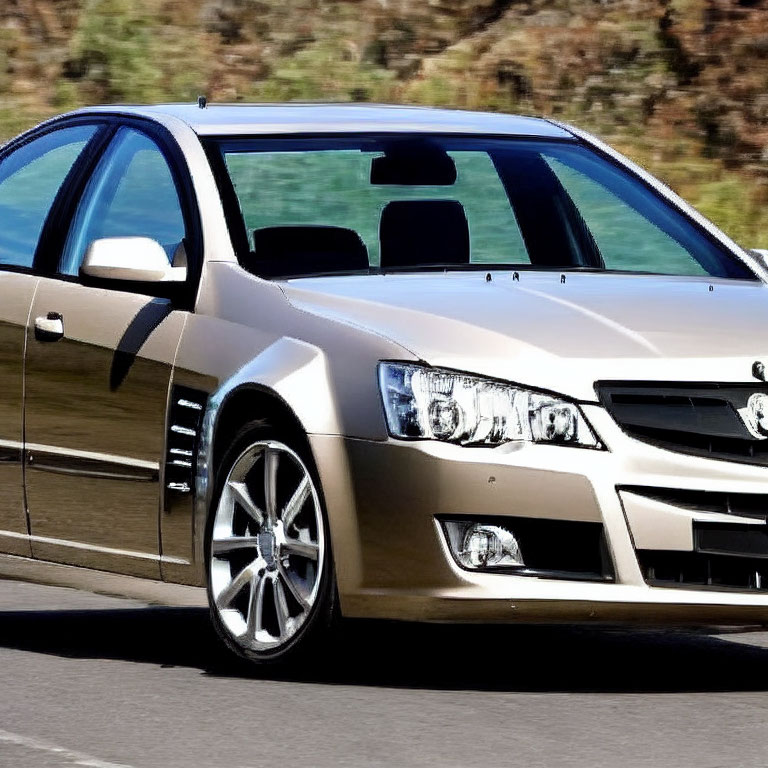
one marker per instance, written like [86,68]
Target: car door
[98,366]
[32,173]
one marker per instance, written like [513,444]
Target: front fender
[292,370]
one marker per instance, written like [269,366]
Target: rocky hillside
[681,85]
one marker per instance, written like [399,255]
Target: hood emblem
[755,415]
[758,370]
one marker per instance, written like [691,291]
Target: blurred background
[681,86]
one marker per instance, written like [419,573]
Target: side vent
[184,420]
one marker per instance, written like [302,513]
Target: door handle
[50,327]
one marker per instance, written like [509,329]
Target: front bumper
[392,560]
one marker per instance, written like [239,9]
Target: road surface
[95,681]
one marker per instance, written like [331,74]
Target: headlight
[435,404]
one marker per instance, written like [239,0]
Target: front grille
[739,504]
[725,556]
[748,541]
[698,419]
[702,570]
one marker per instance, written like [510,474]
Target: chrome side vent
[184,420]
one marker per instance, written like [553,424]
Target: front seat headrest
[415,232]
[291,251]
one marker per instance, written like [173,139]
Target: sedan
[385,362]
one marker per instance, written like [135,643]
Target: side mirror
[761,255]
[138,259]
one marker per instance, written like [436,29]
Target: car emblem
[758,370]
[755,415]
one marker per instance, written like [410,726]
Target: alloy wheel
[267,548]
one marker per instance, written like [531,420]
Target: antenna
[202,102]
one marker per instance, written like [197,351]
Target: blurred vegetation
[681,86]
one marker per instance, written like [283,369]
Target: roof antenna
[202,102]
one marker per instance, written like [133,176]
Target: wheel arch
[287,383]
[252,402]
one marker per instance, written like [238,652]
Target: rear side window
[131,194]
[30,179]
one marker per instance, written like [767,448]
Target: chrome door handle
[50,327]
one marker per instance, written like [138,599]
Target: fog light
[482,546]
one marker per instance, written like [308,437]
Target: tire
[270,576]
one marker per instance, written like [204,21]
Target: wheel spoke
[242,496]
[306,549]
[293,507]
[232,590]
[255,620]
[281,606]
[271,460]
[232,544]
[293,589]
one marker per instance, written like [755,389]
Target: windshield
[417,203]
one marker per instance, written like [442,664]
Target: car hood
[560,332]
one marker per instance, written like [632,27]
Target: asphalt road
[95,681]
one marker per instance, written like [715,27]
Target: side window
[131,194]
[30,179]
[627,240]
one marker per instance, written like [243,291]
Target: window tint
[343,204]
[333,188]
[131,194]
[30,179]
[627,240]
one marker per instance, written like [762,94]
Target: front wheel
[271,586]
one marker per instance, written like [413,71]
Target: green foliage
[735,201]
[113,56]
[5,75]
[437,91]
[735,206]
[328,70]
[639,73]
[122,51]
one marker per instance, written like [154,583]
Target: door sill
[101,582]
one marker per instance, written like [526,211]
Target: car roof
[292,118]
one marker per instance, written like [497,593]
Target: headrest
[289,251]
[423,232]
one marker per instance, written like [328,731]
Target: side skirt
[101,582]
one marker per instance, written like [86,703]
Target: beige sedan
[382,362]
